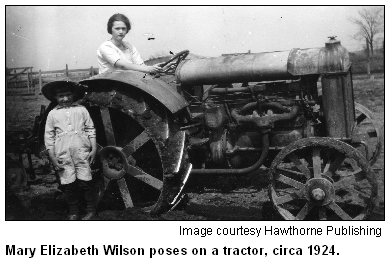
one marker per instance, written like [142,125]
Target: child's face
[65,98]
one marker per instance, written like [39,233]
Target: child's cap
[51,89]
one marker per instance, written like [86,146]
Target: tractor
[289,116]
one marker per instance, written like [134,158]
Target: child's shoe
[89,216]
[73,217]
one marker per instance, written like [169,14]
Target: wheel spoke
[289,173]
[299,165]
[322,213]
[316,163]
[347,181]
[340,212]
[353,164]
[147,209]
[289,181]
[109,131]
[305,210]
[125,193]
[326,168]
[288,197]
[355,197]
[332,166]
[136,143]
[366,135]
[104,183]
[98,148]
[143,176]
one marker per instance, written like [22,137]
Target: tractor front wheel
[322,179]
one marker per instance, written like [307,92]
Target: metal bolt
[318,194]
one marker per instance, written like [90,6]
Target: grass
[370,93]
[22,110]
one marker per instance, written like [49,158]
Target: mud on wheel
[132,130]
[322,179]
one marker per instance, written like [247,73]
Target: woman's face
[119,30]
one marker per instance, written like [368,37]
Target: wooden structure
[23,80]
[19,77]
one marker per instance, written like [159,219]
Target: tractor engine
[231,122]
[242,105]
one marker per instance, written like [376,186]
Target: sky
[49,37]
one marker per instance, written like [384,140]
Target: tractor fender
[156,87]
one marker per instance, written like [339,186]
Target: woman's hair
[118,17]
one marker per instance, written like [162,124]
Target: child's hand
[56,164]
[54,160]
[91,156]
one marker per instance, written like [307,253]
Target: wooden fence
[24,81]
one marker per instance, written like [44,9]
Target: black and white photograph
[192,113]
[194,133]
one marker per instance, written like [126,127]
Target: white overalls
[67,131]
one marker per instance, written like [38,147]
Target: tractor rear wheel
[132,130]
[368,130]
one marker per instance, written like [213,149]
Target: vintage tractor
[290,113]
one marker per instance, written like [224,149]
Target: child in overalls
[70,139]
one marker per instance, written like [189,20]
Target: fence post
[36,91]
[40,81]
[16,78]
[66,71]
[31,78]
[28,82]
[91,71]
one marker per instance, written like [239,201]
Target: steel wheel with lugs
[131,131]
[322,179]
[367,130]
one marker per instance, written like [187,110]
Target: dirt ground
[44,201]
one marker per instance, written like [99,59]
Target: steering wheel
[169,67]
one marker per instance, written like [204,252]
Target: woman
[117,54]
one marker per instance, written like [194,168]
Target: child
[70,139]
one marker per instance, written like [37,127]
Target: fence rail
[24,80]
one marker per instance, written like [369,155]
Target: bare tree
[370,25]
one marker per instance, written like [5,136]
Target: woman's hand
[154,69]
